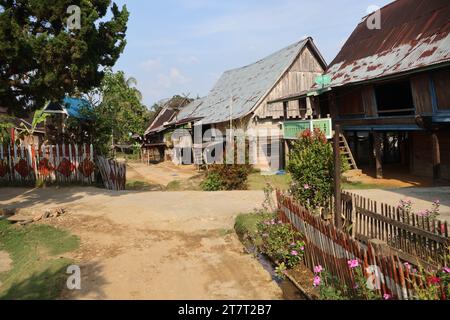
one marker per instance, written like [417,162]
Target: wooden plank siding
[350,102]
[422,155]
[421,92]
[441,80]
[300,77]
[369,101]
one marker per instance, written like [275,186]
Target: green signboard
[323,80]
[293,129]
[324,125]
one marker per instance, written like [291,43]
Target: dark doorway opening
[394,99]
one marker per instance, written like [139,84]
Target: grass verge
[257,181]
[38,268]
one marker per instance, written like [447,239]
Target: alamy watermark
[74,280]
[74,20]
[234,146]
[374,19]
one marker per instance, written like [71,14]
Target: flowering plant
[433,214]
[435,284]
[281,242]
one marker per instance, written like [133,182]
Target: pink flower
[293,244]
[387,296]
[302,248]
[407,266]
[318,269]
[425,213]
[352,264]
[307,187]
[294,253]
[446,270]
[317,281]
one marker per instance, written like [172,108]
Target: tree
[120,114]
[41,59]
[5,128]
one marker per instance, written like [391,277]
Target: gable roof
[414,34]
[169,109]
[164,115]
[247,86]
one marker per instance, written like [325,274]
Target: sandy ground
[155,245]
[159,174]
[422,198]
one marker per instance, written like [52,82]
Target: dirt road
[155,245]
[161,174]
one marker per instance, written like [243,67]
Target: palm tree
[132,83]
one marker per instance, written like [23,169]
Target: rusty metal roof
[247,86]
[414,34]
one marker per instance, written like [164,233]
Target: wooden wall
[441,81]
[422,164]
[298,78]
[421,92]
[362,100]
[350,102]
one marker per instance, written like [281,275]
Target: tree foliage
[41,59]
[311,165]
[120,113]
[5,129]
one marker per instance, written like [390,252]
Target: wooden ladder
[347,152]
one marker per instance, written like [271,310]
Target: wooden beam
[436,155]
[337,177]
[378,155]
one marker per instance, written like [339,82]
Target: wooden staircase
[347,152]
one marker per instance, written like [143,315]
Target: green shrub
[227,177]
[212,182]
[281,242]
[311,166]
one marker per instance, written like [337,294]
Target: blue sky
[183,46]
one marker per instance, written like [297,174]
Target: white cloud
[189,60]
[152,64]
[173,77]
[290,14]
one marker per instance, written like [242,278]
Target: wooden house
[156,146]
[248,98]
[390,90]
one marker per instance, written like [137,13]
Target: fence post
[337,177]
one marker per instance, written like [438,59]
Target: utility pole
[337,177]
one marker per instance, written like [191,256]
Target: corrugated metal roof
[247,86]
[165,115]
[414,34]
[170,108]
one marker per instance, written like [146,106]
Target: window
[285,110]
[395,99]
[302,108]
[441,81]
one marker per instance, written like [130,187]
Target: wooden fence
[332,248]
[62,164]
[414,238]
[113,173]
